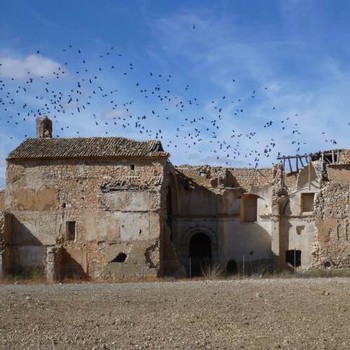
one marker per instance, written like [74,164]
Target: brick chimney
[43,127]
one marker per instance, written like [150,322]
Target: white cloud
[32,65]
[207,56]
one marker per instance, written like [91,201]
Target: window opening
[307,202]
[70,230]
[120,258]
[249,208]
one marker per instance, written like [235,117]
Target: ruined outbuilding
[114,208]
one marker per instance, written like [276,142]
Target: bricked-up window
[70,230]
[307,202]
[249,208]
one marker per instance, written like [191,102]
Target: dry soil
[235,314]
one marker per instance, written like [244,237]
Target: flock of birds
[85,92]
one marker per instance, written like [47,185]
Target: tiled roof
[90,147]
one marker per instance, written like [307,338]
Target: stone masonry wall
[216,178]
[332,244]
[2,235]
[2,225]
[344,156]
[248,178]
[2,200]
[115,206]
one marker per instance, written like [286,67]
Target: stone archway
[200,253]
[198,238]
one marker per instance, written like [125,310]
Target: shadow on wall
[69,268]
[251,249]
[24,254]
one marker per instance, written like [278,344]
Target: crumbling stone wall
[331,247]
[294,226]
[114,204]
[2,245]
[169,209]
[211,203]
[218,178]
[2,200]
[2,225]
[248,178]
[114,217]
[320,233]
[344,156]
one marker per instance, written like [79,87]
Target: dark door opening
[293,257]
[200,253]
[231,267]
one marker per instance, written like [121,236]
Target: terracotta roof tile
[90,147]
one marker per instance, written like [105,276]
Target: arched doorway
[200,253]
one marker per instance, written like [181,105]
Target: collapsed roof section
[292,164]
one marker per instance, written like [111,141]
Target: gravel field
[234,314]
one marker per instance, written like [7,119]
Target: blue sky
[229,83]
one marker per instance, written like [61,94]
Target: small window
[132,167]
[249,208]
[307,202]
[293,257]
[70,230]
[120,258]
[300,229]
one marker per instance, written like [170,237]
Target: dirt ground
[235,314]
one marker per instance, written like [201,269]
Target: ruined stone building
[112,208]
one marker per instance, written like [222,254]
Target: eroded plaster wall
[332,247]
[211,202]
[136,217]
[297,229]
[114,205]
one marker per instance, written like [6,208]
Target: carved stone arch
[185,243]
[199,248]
